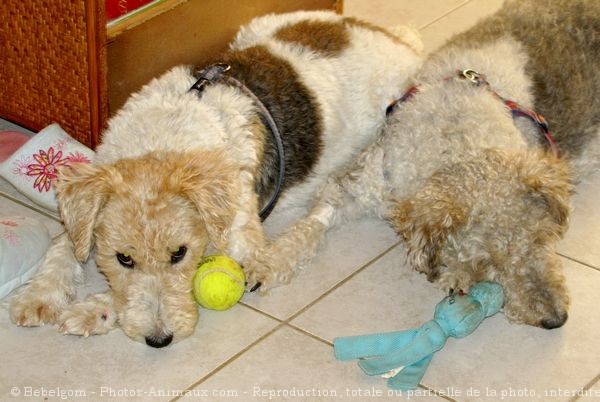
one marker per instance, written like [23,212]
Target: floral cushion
[34,166]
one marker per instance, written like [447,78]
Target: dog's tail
[408,35]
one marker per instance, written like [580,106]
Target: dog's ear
[81,191]
[211,183]
[550,178]
[425,221]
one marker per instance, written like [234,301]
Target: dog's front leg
[296,246]
[246,236]
[51,289]
[95,315]
[282,258]
[346,196]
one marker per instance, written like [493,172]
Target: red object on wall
[118,8]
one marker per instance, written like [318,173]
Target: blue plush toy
[403,356]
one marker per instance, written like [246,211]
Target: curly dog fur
[476,194]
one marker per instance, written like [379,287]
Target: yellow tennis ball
[219,282]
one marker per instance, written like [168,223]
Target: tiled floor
[281,343]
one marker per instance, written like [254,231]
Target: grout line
[226,362]
[427,24]
[342,282]
[586,387]
[578,261]
[305,332]
[28,206]
[261,312]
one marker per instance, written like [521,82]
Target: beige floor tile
[289,361]
[389,13]
[460,20]
[42,358]
[582,241]
[345,250]
[498,356]
[9,207]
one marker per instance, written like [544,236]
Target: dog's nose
[556,321]
[159,341]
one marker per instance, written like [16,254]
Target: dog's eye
[178,255]
[125,260]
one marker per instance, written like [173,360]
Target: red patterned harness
[515,109]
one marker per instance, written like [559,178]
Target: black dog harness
[216,73]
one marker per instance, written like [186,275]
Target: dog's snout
[555,322]
[159,341]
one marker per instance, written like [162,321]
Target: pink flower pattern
[78,157]
[60,144]
[46,168]
[20,165]
[43,166]
[11,238]
[8,234]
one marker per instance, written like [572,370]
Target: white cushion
[23,244]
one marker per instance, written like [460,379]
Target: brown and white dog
[179,170]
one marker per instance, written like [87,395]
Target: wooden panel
[98,85]
[189,33]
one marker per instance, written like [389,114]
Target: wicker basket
[53,65]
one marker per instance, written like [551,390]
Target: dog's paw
[93,316]
[258,278]
[28,309]
[455,280]
[262,276]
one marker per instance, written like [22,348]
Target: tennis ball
[219,282]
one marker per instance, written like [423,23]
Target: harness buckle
[209,75]
[471,75]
